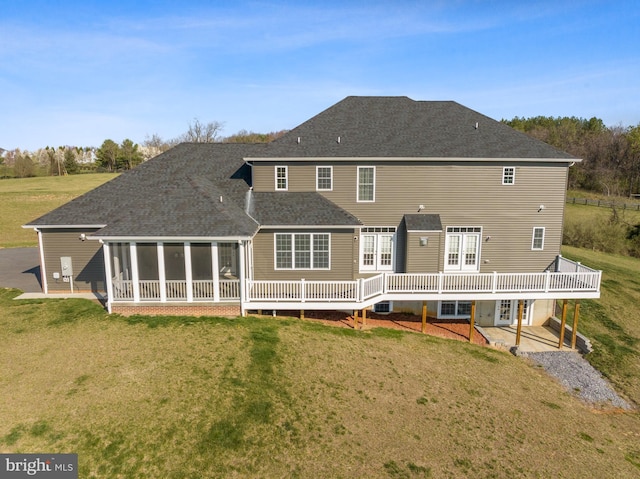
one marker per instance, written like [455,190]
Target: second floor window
[324,178]
[537,242]
[281,178]
[366,183]
[508,175]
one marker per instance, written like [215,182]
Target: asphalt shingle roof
[174,194]
[423,222]
[401,127]
[201,190]
[283,208]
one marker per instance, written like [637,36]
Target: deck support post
[355,319]
[364,317]
[520,314]
[302,314]
[574,333]
[472,320]
[563,323]
[424,316]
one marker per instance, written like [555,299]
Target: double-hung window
[366,184]
[282,178]
[376,248]
[508,175]
[537,240]
[324,178]
[302,250]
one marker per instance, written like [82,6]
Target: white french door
[462,251]
[507,312]
[376,251]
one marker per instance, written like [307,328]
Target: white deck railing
[177,290]
[579,279]
[568,277]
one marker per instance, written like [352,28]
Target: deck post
[364,317]
[472,321]
[520,313]
[574,333]
[355,319]
[424,316]
[563,323]
[302,314]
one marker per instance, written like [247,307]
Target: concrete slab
[97,296]
[532,338]
[20,268]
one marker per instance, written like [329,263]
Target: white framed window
[302,250]
[507,312]
[454,309]
[366,184]
[537,239]
[282,178]
[508,175]
[377,248]
[383,307]
[324,178]
[462,248]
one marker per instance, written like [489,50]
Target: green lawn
[246,397]
[612,322]
[25,199]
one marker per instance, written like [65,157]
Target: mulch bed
[451,329]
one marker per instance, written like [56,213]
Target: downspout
[43,269]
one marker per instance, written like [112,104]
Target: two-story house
[377,202]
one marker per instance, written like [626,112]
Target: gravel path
[579,377]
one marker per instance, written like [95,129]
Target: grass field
[210,397]
[25,199]
[192,398]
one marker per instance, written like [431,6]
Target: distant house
[377,202]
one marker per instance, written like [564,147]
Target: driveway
[20,268]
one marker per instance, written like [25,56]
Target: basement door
[507,312]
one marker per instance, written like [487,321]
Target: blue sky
[79,72]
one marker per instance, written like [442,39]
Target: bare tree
[202,133]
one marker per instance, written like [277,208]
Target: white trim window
[537,239]
[366,184]
[508,175]
[302,250]
[383,307]
[462,249]
[324,178]
[507,312]
[376,248]
[282,178]
[454,309]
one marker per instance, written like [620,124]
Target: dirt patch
[451,329]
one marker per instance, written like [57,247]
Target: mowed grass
[25,199]
[211,397]
[612,322]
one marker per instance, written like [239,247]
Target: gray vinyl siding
[86,256]
[423,259]
[342,256]
[462,193]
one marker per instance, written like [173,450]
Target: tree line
[112,156]
[610,155]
